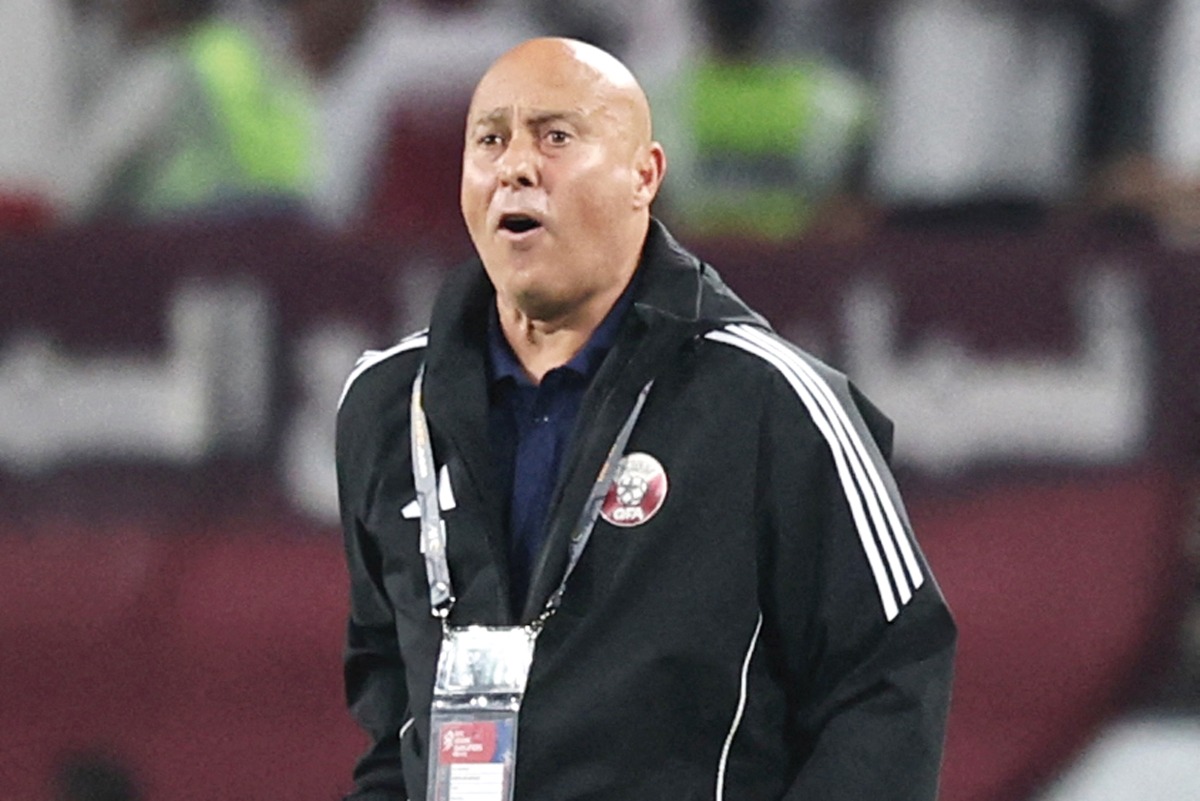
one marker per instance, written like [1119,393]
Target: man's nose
[518,165]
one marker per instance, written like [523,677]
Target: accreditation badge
[481,676]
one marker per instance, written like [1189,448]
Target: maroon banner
[172,581]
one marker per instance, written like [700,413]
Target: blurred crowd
[782,119]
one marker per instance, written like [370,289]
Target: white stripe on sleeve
[860,459]
[373,357]
[856,470]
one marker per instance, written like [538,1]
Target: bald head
[559,172]
[582,73]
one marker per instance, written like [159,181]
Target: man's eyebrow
[491,117]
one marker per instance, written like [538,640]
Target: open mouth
[518,223]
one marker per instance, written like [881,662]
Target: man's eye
[558,137]
[489,139]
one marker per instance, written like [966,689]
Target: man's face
[551,190]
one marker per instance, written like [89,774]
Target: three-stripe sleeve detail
[871,504]
[373,357]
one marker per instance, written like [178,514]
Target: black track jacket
[773,632]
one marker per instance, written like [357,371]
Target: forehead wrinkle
[505,113]
[538,117]
[500,114]
[568,65]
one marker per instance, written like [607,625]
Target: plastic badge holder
[481,677]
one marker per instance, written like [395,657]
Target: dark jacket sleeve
[376,693]
[865,639]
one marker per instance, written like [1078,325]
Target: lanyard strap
[591,510]
[433,527]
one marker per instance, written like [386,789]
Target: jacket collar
[677,297]
[672,284]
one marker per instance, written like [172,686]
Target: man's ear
[649,171]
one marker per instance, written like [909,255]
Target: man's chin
[539,304]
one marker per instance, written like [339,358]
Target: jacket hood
[676,283]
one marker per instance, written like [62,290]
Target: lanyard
[433,527]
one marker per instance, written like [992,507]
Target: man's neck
[542,345]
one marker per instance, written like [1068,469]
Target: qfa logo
[637,493]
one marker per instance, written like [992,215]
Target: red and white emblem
[637,493]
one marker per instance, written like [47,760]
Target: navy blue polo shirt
[530,427]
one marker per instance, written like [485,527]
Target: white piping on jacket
[737,715]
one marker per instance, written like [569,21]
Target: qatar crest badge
[637,492]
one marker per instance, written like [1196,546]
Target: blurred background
[987,212]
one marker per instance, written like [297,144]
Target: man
[598,445]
